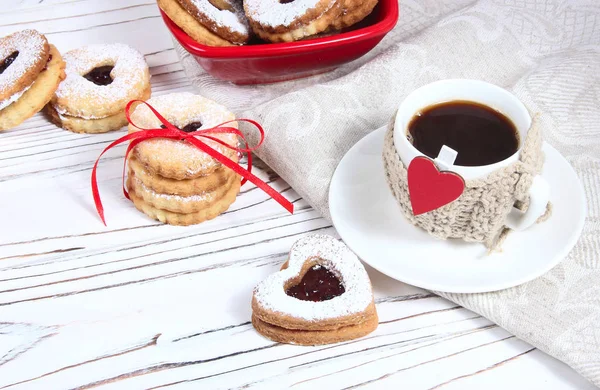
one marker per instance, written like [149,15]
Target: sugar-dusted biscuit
[35,97]
[322,288]
[315,337]
[210,22]
[180,160]
[182,204]
[188,187]
[23,55]
[191,26]
[291,21]
[100,81]
[172,218]
[91,126]
[353,11]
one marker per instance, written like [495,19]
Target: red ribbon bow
[172,132]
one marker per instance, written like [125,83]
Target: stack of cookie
[322,295]
[30,71]
[229,22]
[173,181]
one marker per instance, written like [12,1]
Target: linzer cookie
[322,295]
[161,184]
[101,80]
[204,199]
[353,11]
[180,160]
[276,21]
[30,71]
[228,22]
[210,22]
[212,209]
[173,181]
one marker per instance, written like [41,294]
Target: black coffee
[480,134]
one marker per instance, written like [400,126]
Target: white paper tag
[446,158]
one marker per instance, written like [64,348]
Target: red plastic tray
[273,62]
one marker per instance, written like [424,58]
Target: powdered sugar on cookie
[203,197]
[235,21]
[7,102]
[62,113]
[274,14]
[337,258]
[77,96]
[31,46]
[181,109]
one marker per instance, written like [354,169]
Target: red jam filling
[190,127]
[100,75]
[8,60]
[317,285]
[47,62]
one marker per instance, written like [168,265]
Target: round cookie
[210,22]
[100,81]
[23,55]
[91,126]
[172,218]
[353,11]
[180,160]
[286,22]
[37,95]
[163,185]
[191,26]
[181,204]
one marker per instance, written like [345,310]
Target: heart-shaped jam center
[190,127]
[8,60]
[100,75]
[317,285]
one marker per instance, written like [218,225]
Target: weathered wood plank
[141,305]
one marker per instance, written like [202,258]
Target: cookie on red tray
[210,22]
[234,22]
[322,295]
[287,21]
[30,71]
[353,11]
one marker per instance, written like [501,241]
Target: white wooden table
[142,305]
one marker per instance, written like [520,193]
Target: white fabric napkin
[547,52]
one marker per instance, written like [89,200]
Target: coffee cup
[485,94]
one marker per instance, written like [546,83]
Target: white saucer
[370,222]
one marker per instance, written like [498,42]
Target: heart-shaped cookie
[322,294]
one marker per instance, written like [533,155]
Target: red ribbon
[172,132]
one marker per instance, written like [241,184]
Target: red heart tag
[429,188]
